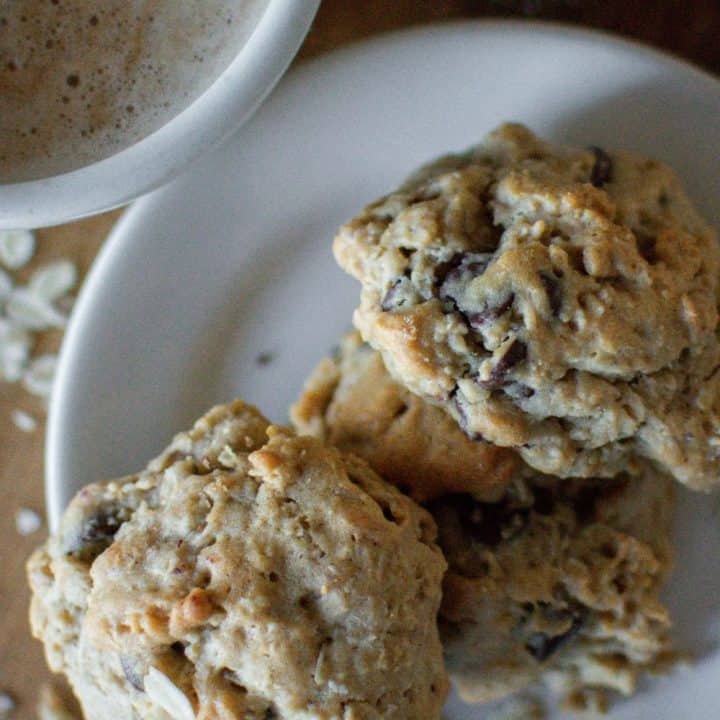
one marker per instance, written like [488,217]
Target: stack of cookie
[542,362]
[479,484]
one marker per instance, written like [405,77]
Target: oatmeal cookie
[559,301]
[247,573]
[559,582]
[556,579]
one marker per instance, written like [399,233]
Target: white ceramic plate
[202,276]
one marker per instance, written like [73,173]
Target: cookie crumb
[27,521]
[15,346]
[24,421]
[264,358]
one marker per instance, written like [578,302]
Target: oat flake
[24,421]
[39,377]
[228,458]
[16,248]
[27,521]
[15,344]
[163,692]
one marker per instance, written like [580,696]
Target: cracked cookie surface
[559,301]
[256,573]
[550,579]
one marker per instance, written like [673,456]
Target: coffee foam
[81,80]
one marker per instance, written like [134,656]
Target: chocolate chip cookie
[548,579]
[559,582]
[247,573]
[556,300]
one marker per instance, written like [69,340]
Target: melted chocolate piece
[544,500]
[443,269]
[461,272]
[602,171]
[477,320]
[515,354]
[392,301]
[95,535]
[553,290]
[486,523]
[646,248]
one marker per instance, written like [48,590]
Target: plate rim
[122,232]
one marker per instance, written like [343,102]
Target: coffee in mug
[81,80]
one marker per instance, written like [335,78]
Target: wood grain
[686,28]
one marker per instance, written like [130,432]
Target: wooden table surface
[687,28]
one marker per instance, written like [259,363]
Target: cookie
[559,582]
[351,402]
[556,579]
[247,573]
[559,301]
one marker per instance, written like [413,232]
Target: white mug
[155,159]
